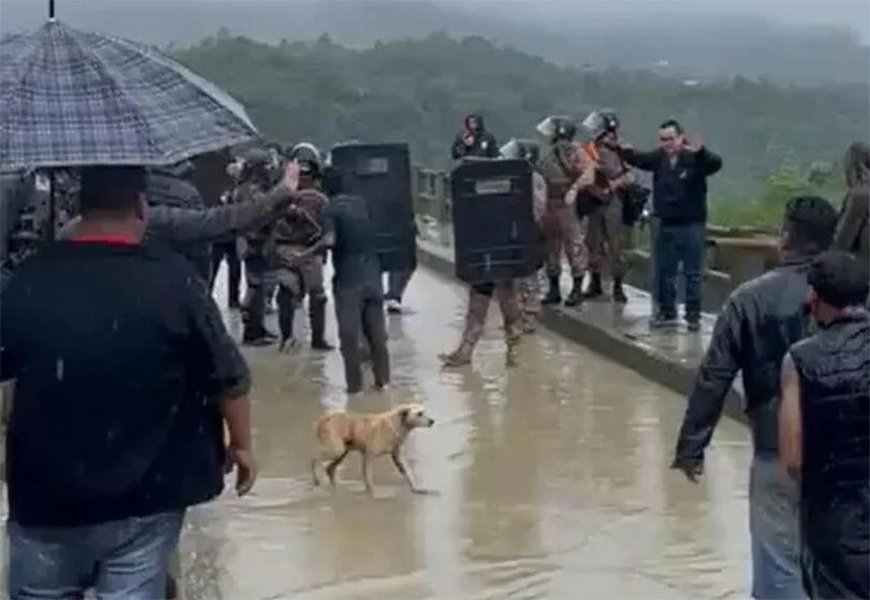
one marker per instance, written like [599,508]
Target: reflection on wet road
[553,481]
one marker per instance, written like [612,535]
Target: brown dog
[370,435]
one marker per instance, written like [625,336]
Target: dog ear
[403,415]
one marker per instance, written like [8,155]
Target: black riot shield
[381,173]
[494,231]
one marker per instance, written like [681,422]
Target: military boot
[554,294]
[618,293]
[512,341]
[576,296]
[594,290]
[317,316]
[458,358]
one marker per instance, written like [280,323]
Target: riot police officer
[561,166]
[258,249]
[528,288]
[605,180]
[300,252]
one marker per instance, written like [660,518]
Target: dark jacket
[117,386]
[680,191]
[758,324]
[853,229]
[484,144]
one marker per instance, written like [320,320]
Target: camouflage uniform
[518,301]
[257,248]
[295,234]
[603,176]
[560,167]
[475,321]
[528,288]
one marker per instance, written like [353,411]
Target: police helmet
[308,157]
[256,164]
[518,149]
[555,128]
[600,122]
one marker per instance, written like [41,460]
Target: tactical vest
[303,227]
[834,371]
[559,168]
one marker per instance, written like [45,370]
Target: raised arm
[645,161]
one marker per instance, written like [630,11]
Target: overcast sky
[853,14]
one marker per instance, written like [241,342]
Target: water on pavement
[552,481]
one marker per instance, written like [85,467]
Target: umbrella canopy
[70,98]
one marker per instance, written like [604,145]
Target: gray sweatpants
[359,309]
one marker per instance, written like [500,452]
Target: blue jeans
[119,559]
[674,245]
[774,529]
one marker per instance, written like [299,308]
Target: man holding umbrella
[139,107]
[98,488]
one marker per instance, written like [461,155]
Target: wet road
[553,481]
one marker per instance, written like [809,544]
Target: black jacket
[484,145]
[680,191]
[758,324]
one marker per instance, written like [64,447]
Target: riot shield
[494,231]
[381,173]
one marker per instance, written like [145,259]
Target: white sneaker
[393,307]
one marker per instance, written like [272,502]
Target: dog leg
[403,469]
[314,476]
[367,475]
[406,473]
[333,465]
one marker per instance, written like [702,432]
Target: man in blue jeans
[758,323]
[680,170]
[123,385]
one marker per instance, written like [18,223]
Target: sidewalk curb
[607,342]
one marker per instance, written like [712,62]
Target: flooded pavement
[553,481]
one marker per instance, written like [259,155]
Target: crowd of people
[587,199]
[799,334]
[137,321]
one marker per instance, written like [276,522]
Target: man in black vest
[756,327]
[824,429]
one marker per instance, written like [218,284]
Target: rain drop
[59,369]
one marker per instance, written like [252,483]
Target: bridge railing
[734,254]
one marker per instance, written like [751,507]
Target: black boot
[618,293]
[594,290]
[554,295]
[317,318]
[286,312]
[576,295]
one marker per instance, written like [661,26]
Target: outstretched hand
[291,176]
[693,144]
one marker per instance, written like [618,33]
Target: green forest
[775,140]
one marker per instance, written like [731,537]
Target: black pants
[219,252]
[255,316]
[359,309]
[397,283]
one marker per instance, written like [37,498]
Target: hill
[419,91]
